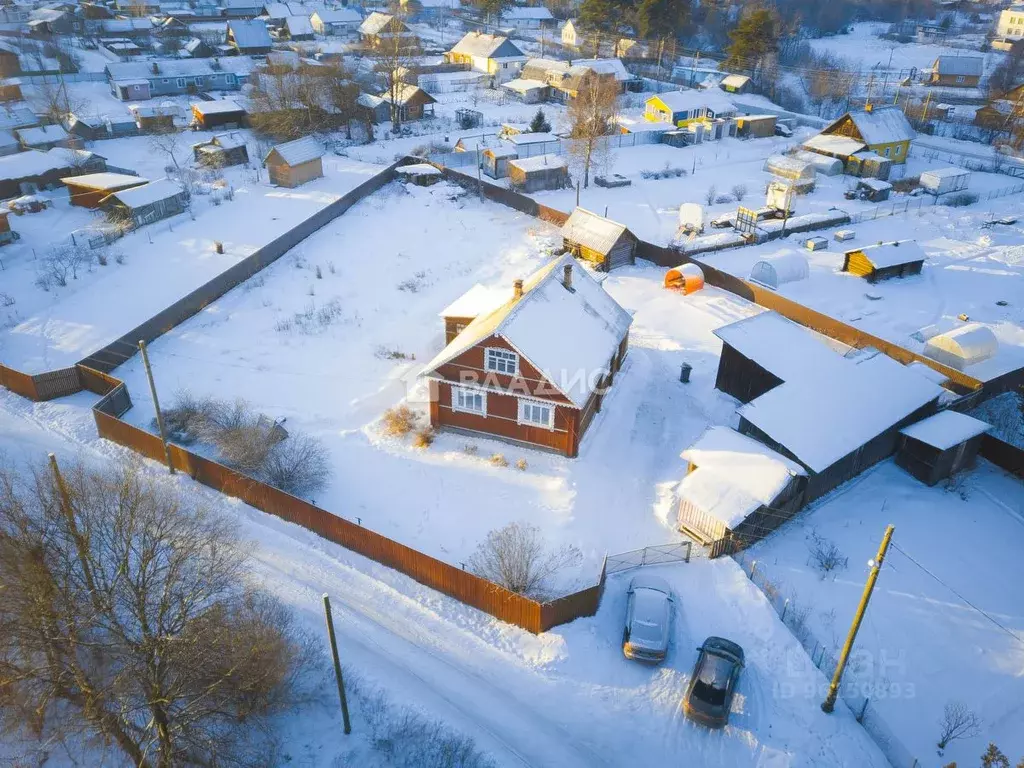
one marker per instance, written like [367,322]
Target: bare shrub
[470,450]
[710,195]
[521,465]
[739,191]
[960,199]
[312,320]
[958,722]
[399,421]
[62,262]
[414,283]
[424,438]
[189,417]
[386,353]
[516,558]
[498,460]
[299,465]
[6,300]
[825,554]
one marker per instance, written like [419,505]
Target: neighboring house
[599,241]
[939,446]
[374,108]
[197,49]
[89,190]
[833,409]
[10,64]
[900,258]
[1002,114]
[222,113]
[735,84]
[125,28]
[736,489]
[295,162]
[240,9]
[9,144]
[15,116]
[144,204]
[45,137]
[142,80]
[535,174]
[222,151]
[412,102]
[527,91]
[564,78]
[81,160]
[681,108]
[1011,23]
[337,21]
[24,173]
[527,17]
[884,130]
[52,21]
[572,37]
[298,28]
[957,71]
[156,118]
[248,37]
[535,368]
[379,29]
[494,55]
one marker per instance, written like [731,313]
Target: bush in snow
[958,722]
[424,438]
[61,262]
[825,554]
[298,465]
[517,558]
[739,191]
[710,195]
[399,421]
[521,465]
[960,199]
[499,460]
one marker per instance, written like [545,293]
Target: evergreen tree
[540,123]
[661,20]
[755,37]
[600,19]
[994,758]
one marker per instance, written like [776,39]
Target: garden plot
[922,645]
[330,354]
[146,270]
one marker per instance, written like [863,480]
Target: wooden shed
[220,113]
[602,242]
[881,261]
[145,204]
[412,102]
[420,174]
[7,235]
[90,190]
[295,162]
[535,174]
[221,151]
[873,190]
[494,160]
[939,446]
[755,126]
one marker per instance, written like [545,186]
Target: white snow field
[946,621]
[565,699]
[49,329]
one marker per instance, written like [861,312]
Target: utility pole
[156,404]
[337,664]
[479,176]
[876,565]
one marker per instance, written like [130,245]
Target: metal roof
[299,151]
[592,231]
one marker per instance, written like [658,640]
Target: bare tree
[710,195]
[298,465]
[516,558]
[395,56]
[167,142]
[958,722]
[126,616]
[57,102]
[591,113]
[61,262]
[825,554]
[739,191]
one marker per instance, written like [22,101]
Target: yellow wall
[897,151]
[656,111]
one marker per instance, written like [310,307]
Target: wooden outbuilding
[535,174]
[957,71]
[755,126]
[603,243]
[412,101]
[151,202]
[900,258]
[535,369]
[420,174]
[222,151]
[873,190]
[939,446]
[295,162]
[7,235]
[221,113]
[494,160]
[90,190]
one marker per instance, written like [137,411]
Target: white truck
[942,181]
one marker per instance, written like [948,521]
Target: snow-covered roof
[734,81]
[526,13]
[538,163]
[229,140]
[882,125]
[477,300]
[217,107]
[778,268]
[375,23]
[734,475]
[592,231]
[568,335]
[892,254]
[486,46]
[946,429]
[960,65]
[688,101]
[106,180]
[142,71]
[147,194]
[24,165]
[275,10]
[405,92]
[964,346]
[520,85]
[44,134]
[530,138]
[72,157]
[782,347]
[418,169]
[834,144]
[874,184]
[789,167]
[613,67]
[369,101]
[946,173]
[250,33]
[299,151]
[299,25]
[824,414]
[634,125]
[339,16]
[7,139]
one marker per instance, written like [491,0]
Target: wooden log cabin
[941,445]
[900,258]
[601,242]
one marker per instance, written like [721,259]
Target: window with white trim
[501,361]
[899,150]
[536,413]
[960,78]
[469,400]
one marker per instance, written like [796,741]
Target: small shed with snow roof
[221,151]
[535,174]
[941,445]
[881,261]
[604,243]
[145,204]
[295,162]
[89,190]
[219,113]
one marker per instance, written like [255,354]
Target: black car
[709,695]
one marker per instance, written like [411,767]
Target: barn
[939,446]
[779,268]
[601,242]
[90,190]
[220,113]
[221,151]
[535,369]
[755,126]
[873,190]
[736,489]
[295,162]
[881,261]
[151,202]
[963,347]
[535,174]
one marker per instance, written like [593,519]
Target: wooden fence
[1003,454]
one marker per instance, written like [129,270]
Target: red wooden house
[534,368]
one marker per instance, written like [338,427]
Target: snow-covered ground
[565,699]
[48,329]
[946,621]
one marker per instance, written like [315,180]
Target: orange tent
[686,278]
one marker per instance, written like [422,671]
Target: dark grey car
[648,619]
[709,695]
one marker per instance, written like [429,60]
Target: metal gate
[659,554]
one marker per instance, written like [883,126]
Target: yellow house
[684,107]
[885,130]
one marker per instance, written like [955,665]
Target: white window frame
[961,78]
[180,82]
[503,355]
[471,391]
[524,403]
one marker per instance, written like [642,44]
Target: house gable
[507,50]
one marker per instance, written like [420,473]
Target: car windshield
[650,615]
[713,679]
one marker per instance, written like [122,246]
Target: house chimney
[517,289]
[567,277]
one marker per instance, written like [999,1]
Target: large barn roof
[568,335]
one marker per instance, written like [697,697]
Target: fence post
[753,567]
[863,711]
[785,605]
